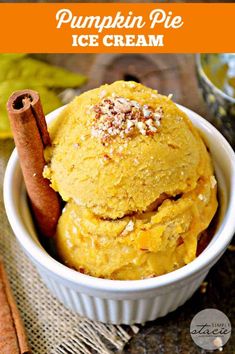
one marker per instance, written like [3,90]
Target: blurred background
[60,77]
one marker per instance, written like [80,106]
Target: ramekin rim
[108,285]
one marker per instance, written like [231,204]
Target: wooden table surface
[169,74]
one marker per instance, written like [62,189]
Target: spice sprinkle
[119,116]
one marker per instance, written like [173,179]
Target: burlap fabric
[51,328]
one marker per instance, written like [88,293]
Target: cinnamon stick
[13,339]
[31,137]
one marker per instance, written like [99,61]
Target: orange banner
[110,28]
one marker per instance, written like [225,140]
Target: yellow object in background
[19,71]
[220,69]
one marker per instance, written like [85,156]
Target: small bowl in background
[214,73]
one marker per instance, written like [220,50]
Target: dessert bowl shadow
[134,301]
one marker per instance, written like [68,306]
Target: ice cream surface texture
[137,179]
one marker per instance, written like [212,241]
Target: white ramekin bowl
[135,301]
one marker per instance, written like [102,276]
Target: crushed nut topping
[201,197]
[129,227]
[149,276]
[119,116]
[213,182]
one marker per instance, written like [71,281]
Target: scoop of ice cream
[138,182]
[119,149]
[139,246]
